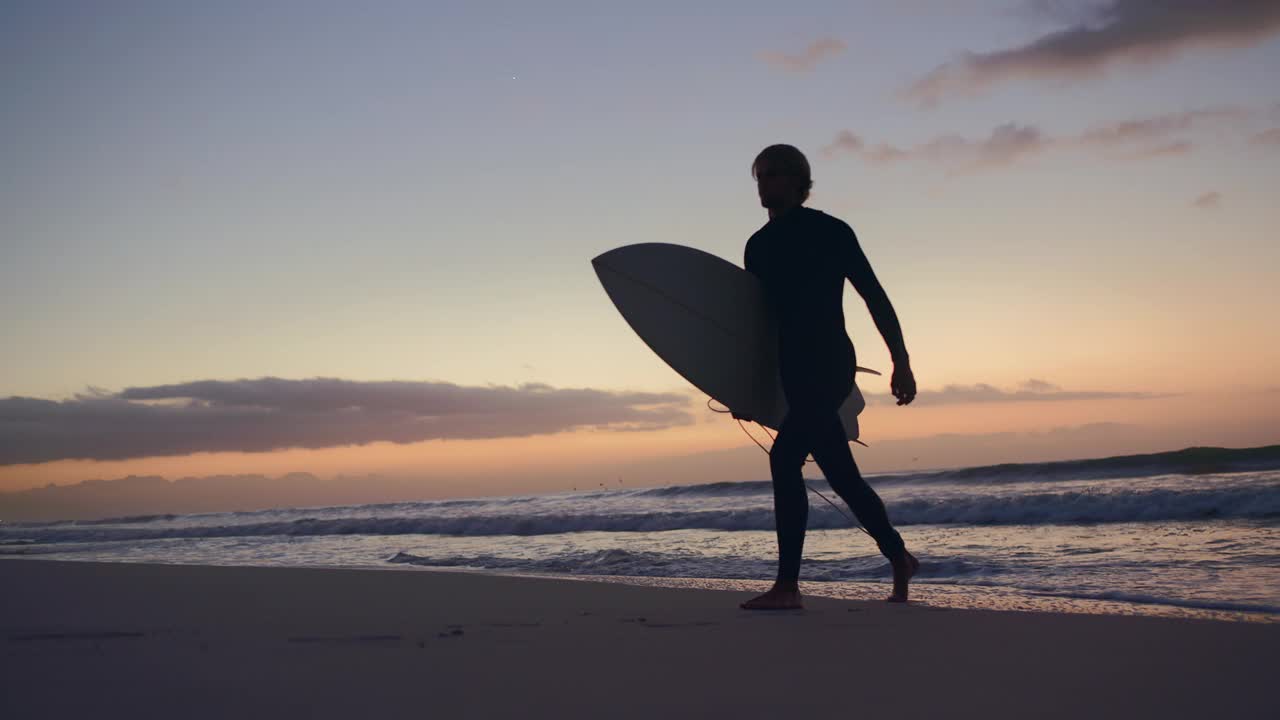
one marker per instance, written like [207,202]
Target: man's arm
[858,269]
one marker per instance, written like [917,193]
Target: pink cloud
[806,60]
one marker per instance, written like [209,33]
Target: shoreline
[142,640]
[952,596]
[946,596]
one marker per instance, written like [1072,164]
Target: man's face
[776,186]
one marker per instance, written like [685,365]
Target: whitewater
[1194,532]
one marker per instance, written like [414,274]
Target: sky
[355,240]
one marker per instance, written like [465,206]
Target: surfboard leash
[766,450]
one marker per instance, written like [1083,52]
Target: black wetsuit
[802,258]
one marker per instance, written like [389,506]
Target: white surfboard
[707,318]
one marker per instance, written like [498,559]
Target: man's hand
[903,384]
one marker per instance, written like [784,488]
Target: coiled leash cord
[766,450]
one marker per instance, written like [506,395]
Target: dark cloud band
[267,414]
[1133,30]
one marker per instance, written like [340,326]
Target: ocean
[1188,533]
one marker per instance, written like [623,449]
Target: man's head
[782,177]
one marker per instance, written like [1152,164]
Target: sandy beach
[136,640]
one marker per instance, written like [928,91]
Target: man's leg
[791,513]
[831,451]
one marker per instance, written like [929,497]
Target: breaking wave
[1088,505]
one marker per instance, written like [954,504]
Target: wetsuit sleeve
[858,269]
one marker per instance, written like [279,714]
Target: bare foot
[903,570]
[779,597]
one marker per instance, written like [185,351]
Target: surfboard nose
[610,260]
[646,253]
[619,256]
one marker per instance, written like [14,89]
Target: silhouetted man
[802,257]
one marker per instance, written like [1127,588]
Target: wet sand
[113,640]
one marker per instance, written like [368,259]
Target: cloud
[1006,144]
[845,141]
[1034,385]
[1267,137]
[1056,13]
[1179,147]
[1157,126]
[817,51]
[269,413]
[1208,200]
[1137,138]
[1136,31]
[1032,390]
[1149,137]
